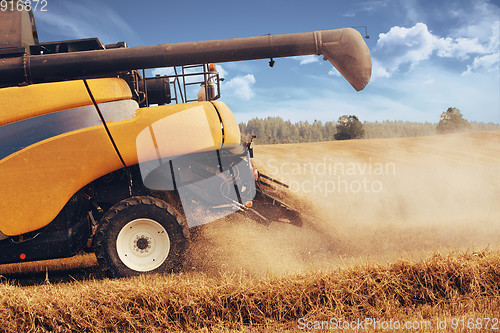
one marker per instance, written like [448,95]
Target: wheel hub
[143,244]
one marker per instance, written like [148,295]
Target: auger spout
[344,48]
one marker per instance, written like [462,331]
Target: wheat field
[408,234]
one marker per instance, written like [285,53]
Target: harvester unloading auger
[92,157]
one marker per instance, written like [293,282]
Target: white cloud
[378,70]
[413,45]
[476,20]
[459,48]
[429,82]
[349,14]
[487,63]
[334,72]
[188,79]
[222,72]
[368,7]
[163,71]
[240,86]
[308,59]
[419,96]
[92,19]
[412,10]
[404,45]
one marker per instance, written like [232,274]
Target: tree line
[272,130]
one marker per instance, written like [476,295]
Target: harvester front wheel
[140,235]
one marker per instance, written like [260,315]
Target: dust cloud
[365,200]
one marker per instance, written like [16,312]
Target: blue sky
[427,55]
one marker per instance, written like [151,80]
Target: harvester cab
[96,154]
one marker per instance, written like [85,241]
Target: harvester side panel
[20,103]
[167,131]
[37,181]
[51,153]
[61,151]
[232,135]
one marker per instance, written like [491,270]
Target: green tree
[349,127]
[276,130]
[451,121]
[329,131]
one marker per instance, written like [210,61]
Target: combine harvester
[93,157]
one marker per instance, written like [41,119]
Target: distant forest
[276,130]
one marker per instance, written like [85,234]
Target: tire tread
[100,242]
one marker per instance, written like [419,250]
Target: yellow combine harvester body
[53,168]
[94,156]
